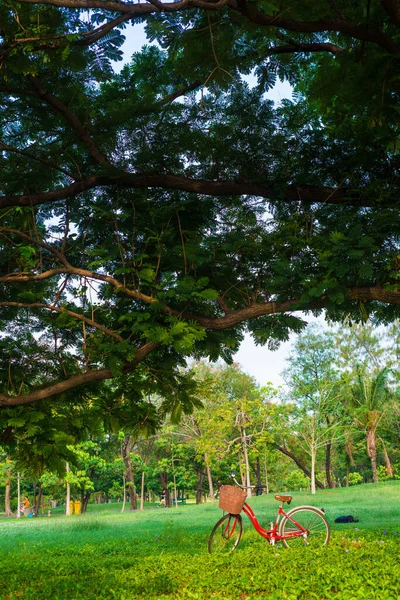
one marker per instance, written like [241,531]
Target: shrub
[355,478]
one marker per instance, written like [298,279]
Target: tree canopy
[160,212]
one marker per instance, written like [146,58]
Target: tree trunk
[38,500]
[298,462]
[124,500]
[246,461]
[199,488]
[164,487]
[210,481]
[125,455]
[257,471]
[388,464]
[7,496]
[142,493]
[266,475]
[7,500]
[68,496]
[86,497]
[313,460]
[371,447]
[84,502]
[328,465]
[132,495]
[18,496]
[349,451]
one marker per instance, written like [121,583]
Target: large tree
[157,213]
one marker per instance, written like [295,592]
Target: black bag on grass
[347,519]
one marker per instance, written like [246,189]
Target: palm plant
[373,398]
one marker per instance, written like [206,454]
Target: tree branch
[316,47]
[293,193]
[69,116]
[360,32]
[298,462]
[63,310]
[218,323]
[76,381]
[358,294]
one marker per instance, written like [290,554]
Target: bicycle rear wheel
[226,534]
[312,520]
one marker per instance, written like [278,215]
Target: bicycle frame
[272,535]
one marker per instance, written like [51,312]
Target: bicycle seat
[281,498]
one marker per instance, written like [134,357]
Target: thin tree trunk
[371,447]
[246,462]
[68,497]
[388,464]
[328,465]
[18,496]
[125,455]
[313,459]
[199,488]
[210,481]
[124,500]
[142,493]
[86,497]
[164,487]
[257,471]
[349,451]
[7,497]
[266,475]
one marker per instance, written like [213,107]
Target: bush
[355,478]
[382,474]
[297,481]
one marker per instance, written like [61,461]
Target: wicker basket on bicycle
[231,499]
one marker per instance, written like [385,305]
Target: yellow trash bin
[77,507]
[71,507]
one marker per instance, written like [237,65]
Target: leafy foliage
[163,211]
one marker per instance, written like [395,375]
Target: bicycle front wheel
[314,530]
[226,534]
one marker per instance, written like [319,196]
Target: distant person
[26,502]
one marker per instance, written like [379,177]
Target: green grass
[162,553]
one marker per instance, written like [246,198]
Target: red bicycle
[299,527]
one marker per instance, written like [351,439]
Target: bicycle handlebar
[244,487]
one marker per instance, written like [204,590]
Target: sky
[263,364]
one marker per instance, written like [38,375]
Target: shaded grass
[163,554]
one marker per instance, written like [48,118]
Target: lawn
[162,553]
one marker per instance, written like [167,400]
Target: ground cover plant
[162,553]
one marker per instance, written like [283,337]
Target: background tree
[315,385]
[373,399]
